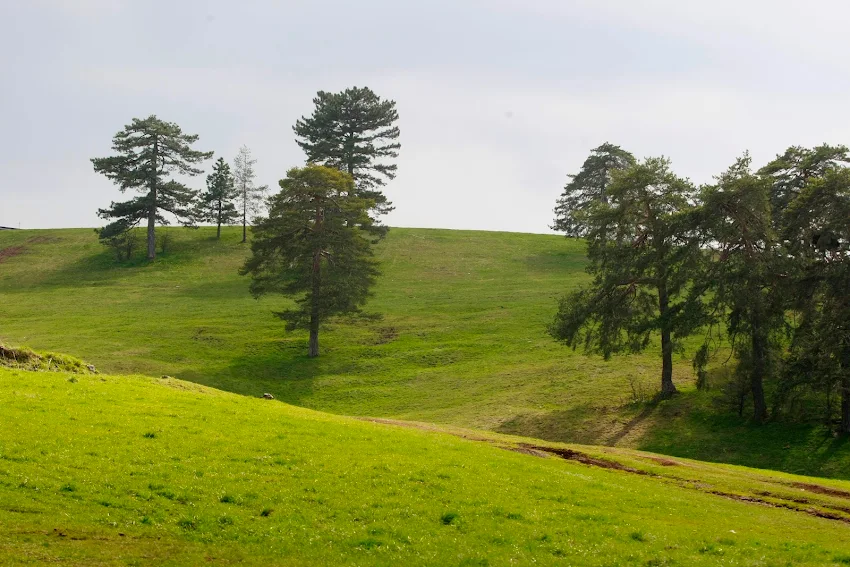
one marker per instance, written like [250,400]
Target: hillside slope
[102,470]
[462,341]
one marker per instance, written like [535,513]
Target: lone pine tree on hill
[217,201]
[249,196]
[587,187]
[314,245]
[354,131]
[641,254]
[147,151]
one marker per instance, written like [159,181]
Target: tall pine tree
[747,279]
[642,253]
[354,131]
[315,246]
[217,201]
[817,230]
[147,151]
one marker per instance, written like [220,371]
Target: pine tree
[354,131]
[748,279]
[589,186]
[817,229]
[217,201]
[315,246]
[642,254]
[148,150]
[250,197]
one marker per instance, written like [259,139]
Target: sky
[498,99]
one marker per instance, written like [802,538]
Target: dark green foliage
[791,171]
[748,276]
[642,253]
[354,131]
[147,150]
[314,246]
[587,187]
[817,229]
[217,202]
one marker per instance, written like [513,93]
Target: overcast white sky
[498,99]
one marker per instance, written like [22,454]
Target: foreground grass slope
[102,470]
[462,341]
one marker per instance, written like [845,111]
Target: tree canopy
[355,131]
[588,187]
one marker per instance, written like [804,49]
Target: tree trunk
[152,229]
[218,219]
[759,343]
[668,389]
[844,426]
[152,204]
[244,213]
[316,289]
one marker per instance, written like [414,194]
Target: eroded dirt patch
[11,252]
[818,489]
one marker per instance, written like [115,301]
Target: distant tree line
[758,257]
[315,244]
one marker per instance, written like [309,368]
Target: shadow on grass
[688,426]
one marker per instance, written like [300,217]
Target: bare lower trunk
[152,229]
[244,215]
[759,344]
[152,204]
[218,219]
[668,389]
[316,290]
[314,308]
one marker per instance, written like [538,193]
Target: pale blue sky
[499,99]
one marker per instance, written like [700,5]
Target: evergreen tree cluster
[315,243]
[758,258]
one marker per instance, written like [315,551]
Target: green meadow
[461,342]
[134,470]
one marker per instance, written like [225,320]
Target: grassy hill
[103,470]
[462,342]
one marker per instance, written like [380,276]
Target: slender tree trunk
[245,213]
[759,344]
[668,389]
[314,308]
[316,289]
[844,426]
[218,219]
[152,204]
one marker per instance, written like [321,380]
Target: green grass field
[462,342]
[103,470]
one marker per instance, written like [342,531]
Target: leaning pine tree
[147,151]
[217,201]
[354,131]
[642,253]
[315,245]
